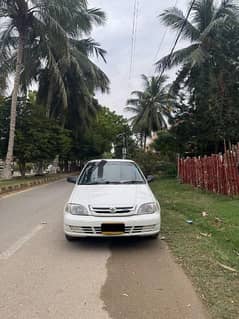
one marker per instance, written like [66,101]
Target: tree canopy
[206,91]
[150,107]
[49,42]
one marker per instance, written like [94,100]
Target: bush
[168,169]
[166,145]
[151,164]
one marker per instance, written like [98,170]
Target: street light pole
[124,148]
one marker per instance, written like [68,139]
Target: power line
[177,38]
[132,40]
[136,29]
[134,36]
[161,44]
[163,38]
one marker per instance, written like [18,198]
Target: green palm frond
[102,81]
[146,81]
[96,16]
[89,47]
[56,31]
[175,19]
[134,102]
[3,12]
[198,57]
[4,74]
[207,19]
[91,72]
[152,106]
[56,73]
[215,25]
[6,38]
[84,19]
[177,58]
[229,7]
[139,94]
[203,13]
[54,48]
[180,78]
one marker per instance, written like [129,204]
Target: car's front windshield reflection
[107,172]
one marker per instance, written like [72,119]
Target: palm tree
[38,29]
[206,20]
[81,77]
[151,107]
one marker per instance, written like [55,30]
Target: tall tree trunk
[49,98]
[22,168]
[142,140]
[145,141]
[40,167]
[9,158]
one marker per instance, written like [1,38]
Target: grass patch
[201,246]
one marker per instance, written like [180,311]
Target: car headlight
[75,209]
[148,208]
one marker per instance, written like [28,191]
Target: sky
[115,37]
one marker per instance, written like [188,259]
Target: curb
[25,185]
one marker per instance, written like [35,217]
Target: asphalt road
[43,276]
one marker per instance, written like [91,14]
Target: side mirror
[72,179]
[150,178]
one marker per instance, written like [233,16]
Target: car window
[105,172]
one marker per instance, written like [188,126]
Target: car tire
[70,238]
[155,236]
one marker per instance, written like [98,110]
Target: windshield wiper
[99,183]
[94,183]
[114,182]
[132,182]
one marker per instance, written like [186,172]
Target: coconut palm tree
[151,107]
[205,21]
[81,77]
[38,28]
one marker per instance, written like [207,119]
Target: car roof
[111,160]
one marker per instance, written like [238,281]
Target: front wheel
[69,238]
[153,237]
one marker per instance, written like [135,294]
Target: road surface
[43,276]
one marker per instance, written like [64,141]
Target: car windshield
[107,172]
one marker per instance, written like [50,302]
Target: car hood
[111,195]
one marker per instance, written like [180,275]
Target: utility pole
[124,147]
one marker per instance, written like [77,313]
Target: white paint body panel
[129,195]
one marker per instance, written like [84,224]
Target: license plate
[112,229]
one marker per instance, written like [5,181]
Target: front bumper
[90,226]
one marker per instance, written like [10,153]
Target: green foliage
[48,42]
[207,84]
[104,131]
[150,107]
[153,164]
[206,20]
[166,144]
[168,169]
[4,126]
[38,139]
[149,162]
[51,40]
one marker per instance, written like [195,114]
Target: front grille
[97,230]
[143,229]
[82,229]
[116,211]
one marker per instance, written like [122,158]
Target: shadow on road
[116,244]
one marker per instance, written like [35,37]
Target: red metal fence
[217,173]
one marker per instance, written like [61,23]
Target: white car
[111,198]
